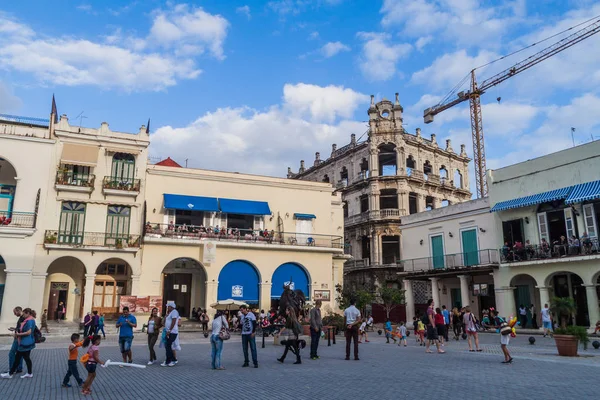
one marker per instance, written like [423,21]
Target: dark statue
[291,298]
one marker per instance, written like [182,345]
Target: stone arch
[113,280]
[458,179]
[8,188]
[443,172]
[299,275]
[65,281]
[239,280]
[570,284]
[184,282]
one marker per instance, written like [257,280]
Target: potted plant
[567,338]
[50,238]
[119,243]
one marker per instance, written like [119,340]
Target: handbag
[224,332]
[505,329]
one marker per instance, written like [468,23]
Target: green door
[522,296]
[456,298]
[72,221]
[469,245]
[117,225]
[437,251]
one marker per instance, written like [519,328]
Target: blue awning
[584,192]
[196,203]
[305,216]
[558,194]
[244,207]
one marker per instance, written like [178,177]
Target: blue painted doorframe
[239,280]
[437,251]
[282,276]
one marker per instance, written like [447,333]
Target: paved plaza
[384,371]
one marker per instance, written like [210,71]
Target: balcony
[375,215]
[449,262]
[96,241]
[534,253]
[17,224]
[161,233]
[357,265]
[432,179]
[120,187]
[415,175]
[67,182]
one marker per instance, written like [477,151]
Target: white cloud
[263,142]
[333,48]
[8,101]
[244,10]
[422,42]
[313,35]
[129,63]
[87,8]
[379,58]
[183,27]
[321,103]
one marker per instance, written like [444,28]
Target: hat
[171,304]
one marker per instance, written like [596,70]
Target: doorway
[513,231]
[177,288]
[456,298]
[59,291]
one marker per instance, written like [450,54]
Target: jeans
[20,356]
[125,344]
[249,339]
[352,333]
[294,346]
[101,328]
[86,330]
[169,349]
[217,348]
[152,338]
[12,355]
[72,371]
[314,342]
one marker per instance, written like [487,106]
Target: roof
[168,162]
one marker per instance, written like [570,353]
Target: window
[445,203]
[410,165]
[189,217]
[458,183]
[364,203]
[390,249]
[75,175]
[512,231]
[72,222]
[427,169]
[429,203]
[123,168]
[590,220]
[326,178]
[245,223]
[117,225]
[346,210]
[443,173]
[344,176]
[388,199]
[412,203]
[387,160]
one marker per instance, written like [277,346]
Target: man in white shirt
[352,320]
[172,332]
[370,322]
[547,320]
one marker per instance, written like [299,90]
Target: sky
[256,86]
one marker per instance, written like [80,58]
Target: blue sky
[255,86]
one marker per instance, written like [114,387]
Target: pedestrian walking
[505,331]
[61,310]
[45,320]
[95,323]
[401,329]
[362,332]
[101,325]
[26,342]
[440,325]
[153,331]
[291,330]
[523,316]
[432,336]
[172,331]
[72,363]
[126,323]
[87,325]
[316,326]
[92,359]
[470,323]
[456,323]
[12,354]
[219,324]
[248,322]
[204,321]
[547,320]
[447,321]
[421,332]
[351,321]
[388,331]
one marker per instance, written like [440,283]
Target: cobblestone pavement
[384,370]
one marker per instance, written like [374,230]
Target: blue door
[238,280]
[469,246]
[437,251]
[282,276]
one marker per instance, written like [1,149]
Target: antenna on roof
[81,117]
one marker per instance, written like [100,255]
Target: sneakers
[245,365]
[172,364]
[150,362]
[6,375]
[66,385]
[26,376]
[164,364]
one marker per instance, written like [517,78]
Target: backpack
[37,335]
[425,319]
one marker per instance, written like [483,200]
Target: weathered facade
[389,175]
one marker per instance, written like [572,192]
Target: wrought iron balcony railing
[129,185]
[532,252]
[459,260]
[92,239]
[70,179]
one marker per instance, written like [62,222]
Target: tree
[564,308]
[390,298]
[361,296]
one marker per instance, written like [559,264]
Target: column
[420,203]
[88,293]
[435,292]
[409,300]
[265,296]
[437,202]
[374,162]
[465,298]
[376,246]
[36,299]
[403,203]
[592,303]
[135,285]
[544,296]
[16,293]
[211,294]
[505,301]
[399,163]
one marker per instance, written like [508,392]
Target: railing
[17,219]
[354,265]
[69,179]
[532,252]
[92,239]
[416,174]
[433,179]
[459,260]
[190,232]
[374,215]
[341,184]
[130,185]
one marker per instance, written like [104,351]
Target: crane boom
[475,92]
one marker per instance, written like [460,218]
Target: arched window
[326,178]
[410,165]
[364,169]
[443,172]
[427,169]
[123,168]
[387,159]
[458,183]
[429,203]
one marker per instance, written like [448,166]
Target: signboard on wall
[323,295]
[237,291]
[128,301]
[210,253]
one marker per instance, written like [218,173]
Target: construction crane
[476,90]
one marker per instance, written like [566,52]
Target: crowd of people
[561,247]
[220,232]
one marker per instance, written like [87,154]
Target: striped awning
[557,194]
[584,192]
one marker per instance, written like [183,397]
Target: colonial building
[548,210]
[450,255]
[382,179]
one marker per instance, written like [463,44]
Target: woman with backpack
[25,335]
[470,323]
[216,340]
